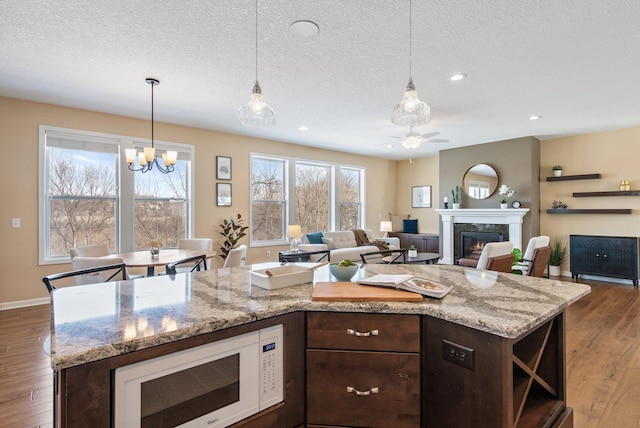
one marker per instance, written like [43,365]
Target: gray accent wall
[517,162]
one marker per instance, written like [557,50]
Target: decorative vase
[155,252]
[504,206]
[554,270]
[456,206]
[557,172]
[413,253]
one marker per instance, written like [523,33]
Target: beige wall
[613,154]
[19,120]
[419,172]
[517,164]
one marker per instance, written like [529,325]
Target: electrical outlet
[458,354]
[268,254]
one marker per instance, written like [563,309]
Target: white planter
[456,206]
[413,253]
[557,172]
[554,270]
[504,206]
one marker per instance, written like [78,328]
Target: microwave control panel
[271,369]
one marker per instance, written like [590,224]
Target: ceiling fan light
[411,142]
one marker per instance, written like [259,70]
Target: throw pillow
[314,238]
[410,226]
[329,243]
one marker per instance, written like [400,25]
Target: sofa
[343,244]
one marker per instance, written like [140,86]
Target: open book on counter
[412,283]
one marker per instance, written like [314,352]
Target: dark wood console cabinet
[424,242]
[611,256]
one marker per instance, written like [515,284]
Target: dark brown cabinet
[612,256]
[424,242]
[363,370]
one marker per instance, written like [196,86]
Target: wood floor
[603,356]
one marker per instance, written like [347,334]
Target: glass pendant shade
[410,111]
[257,113]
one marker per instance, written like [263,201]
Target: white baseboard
[4,306]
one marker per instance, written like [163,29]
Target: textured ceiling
[574,62]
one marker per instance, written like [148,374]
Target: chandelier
[410,111]
[147,158]
[257,113]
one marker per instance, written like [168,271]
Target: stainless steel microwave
[213,385]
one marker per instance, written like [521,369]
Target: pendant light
[257,113]
[147,158]
[410,111]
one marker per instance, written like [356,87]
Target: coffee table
[428,258]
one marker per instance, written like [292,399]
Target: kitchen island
[490,353]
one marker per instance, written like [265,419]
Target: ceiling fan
[412,140]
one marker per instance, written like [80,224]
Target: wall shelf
[590,211]
[612,193]
[575,177]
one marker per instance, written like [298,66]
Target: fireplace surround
[512,217]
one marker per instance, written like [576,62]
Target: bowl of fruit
[344,271]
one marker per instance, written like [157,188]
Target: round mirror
[480,181]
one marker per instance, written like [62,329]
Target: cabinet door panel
[396,403]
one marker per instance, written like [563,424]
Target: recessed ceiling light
[304,29]
[303,128]
[535,117]
[459,76]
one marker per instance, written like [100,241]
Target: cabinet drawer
[396,403]
[363,332]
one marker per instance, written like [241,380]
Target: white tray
[282,276]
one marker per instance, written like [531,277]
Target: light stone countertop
[98,321]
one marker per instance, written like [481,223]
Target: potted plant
[557,170]
[506,192]
[455,198]
[231,230]
[558,253]
[412,251]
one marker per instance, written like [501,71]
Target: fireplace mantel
[512,216]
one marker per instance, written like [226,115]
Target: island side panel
[83,395]
[458,396]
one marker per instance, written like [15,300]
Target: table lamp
[294,231]
[386,227]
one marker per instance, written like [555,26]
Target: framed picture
[223,194]
[223,168]
[421,196]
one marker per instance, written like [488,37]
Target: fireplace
[472,243]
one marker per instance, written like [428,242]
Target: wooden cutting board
[350,291]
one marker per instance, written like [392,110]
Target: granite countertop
[98,321]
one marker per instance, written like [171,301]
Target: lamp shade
[385,226]
[294,231]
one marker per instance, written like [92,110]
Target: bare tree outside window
[312,197]
[267,199]
[350,200]
[82,200]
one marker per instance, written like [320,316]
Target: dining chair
[80,263]
[236,257]
[196,244]
[98,250]
[114,270]
[199,264]
[398,256]
[527,257]
[500,263]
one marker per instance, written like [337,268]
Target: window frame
[125,182]
[290,187]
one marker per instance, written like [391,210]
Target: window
[318,196]
[86,200]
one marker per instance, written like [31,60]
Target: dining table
[144,258]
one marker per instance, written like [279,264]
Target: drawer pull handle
[373,390]
[359,334]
